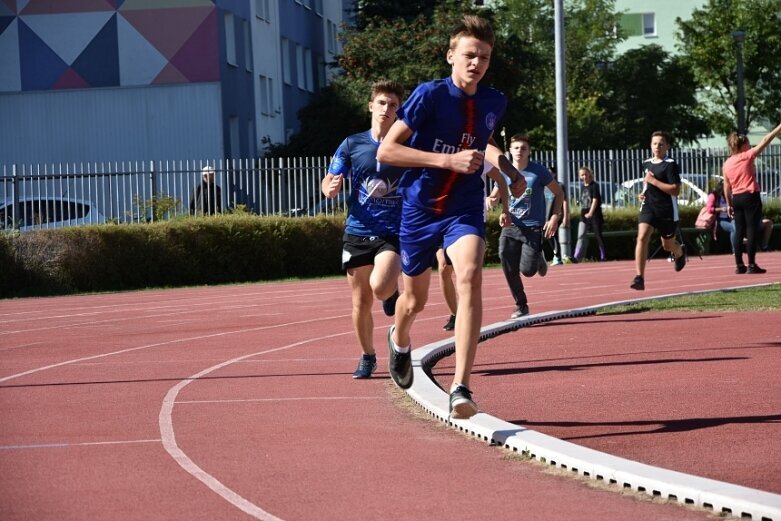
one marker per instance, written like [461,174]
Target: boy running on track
[370,252]
[449,123]
[659,206]
[520,245]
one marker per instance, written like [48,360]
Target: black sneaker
[753,268]
[680,262]
[638,283]
[389,304]
[461,404]
[521,311]
[542,265]
[740,269]
[399,364]
[366,366]
[451,323]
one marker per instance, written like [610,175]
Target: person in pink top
[741,190]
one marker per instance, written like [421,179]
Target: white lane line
[168,342]
[275,400]
[184,461]
[81,444]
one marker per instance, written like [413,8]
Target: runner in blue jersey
[520,245]
[370,252]
[449,125]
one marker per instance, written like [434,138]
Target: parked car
[691,194]
[36,213]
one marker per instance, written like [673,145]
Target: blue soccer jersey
[374,202]
[529,209]
[444,119]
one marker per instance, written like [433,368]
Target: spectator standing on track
[742,192]
[563,221]
[520,245]
[590,215]
[659,206]
[207,197]
[449,124]
[370,251]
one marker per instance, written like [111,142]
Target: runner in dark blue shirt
[449,125]
[370,252]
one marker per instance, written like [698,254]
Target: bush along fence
[239,248]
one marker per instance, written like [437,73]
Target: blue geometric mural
[65,44]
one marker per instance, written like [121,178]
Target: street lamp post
[739,36]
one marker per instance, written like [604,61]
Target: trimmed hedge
[230,248]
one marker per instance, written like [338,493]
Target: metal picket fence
[53,195]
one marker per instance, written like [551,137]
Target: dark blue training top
[445,119]
[374,202]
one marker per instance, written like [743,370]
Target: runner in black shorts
[659,207]
[370,253]
[360,250]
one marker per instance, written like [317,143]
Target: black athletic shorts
[664,225]
[360,250]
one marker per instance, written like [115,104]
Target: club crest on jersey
[490,120]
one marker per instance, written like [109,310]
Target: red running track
[236,402]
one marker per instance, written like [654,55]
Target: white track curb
[687,489]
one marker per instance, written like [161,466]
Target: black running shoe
[399,364]
[638,283]
[680,262]
[389,304]
[521,311]
[451,323]
[461,404]
[753,268]
[366,366]
[740,269]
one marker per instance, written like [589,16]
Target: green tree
[708,49]
[651,90]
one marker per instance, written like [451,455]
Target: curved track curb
[686,489]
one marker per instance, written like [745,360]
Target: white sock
[401,349]
[454,385]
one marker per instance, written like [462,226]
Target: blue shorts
[423,233]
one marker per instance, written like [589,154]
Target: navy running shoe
[366,366]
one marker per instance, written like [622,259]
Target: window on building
[286,65]
[230,39]
[332,33]
[309,70]
[251,137]
[308,4]
[247,46]
[267,107]
[649,24]
[320,72]
[319,7]
[301,76]
[262,10]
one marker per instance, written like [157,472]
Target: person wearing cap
[207,197]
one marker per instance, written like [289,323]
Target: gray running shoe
[399,364]
[461,404]
[522,311]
